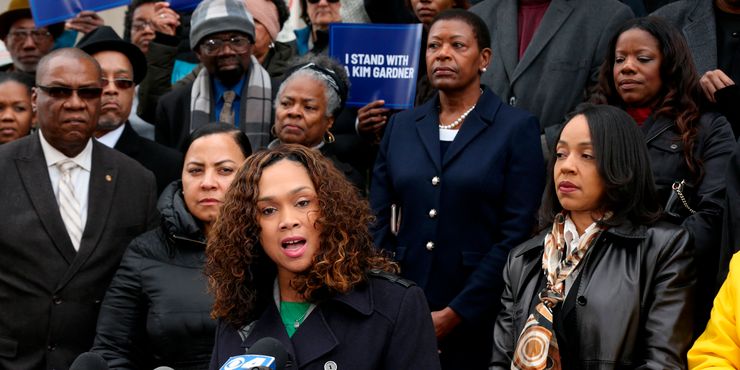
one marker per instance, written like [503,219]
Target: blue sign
[46,12]
[183,5]
[381,60]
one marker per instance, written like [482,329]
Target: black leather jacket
[156,310]
[630,306]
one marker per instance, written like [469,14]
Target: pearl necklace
[458,121]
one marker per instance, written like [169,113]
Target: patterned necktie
[69,206]
[227,113]
[537,347]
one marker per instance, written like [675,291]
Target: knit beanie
[213,16]
[265,12]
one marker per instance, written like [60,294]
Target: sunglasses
[120,83]
[317,1]
[61,92]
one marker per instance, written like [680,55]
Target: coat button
[56,300]
[430,245]
[674,146]
[51,347]
[581,300]
[435,180]
[432,213]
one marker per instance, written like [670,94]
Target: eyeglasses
[317,1]
[120,83]
[139,25]
[38,36]
[62,92]
[239,44]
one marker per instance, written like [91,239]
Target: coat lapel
[478,120]
[271,325]
[658,127]
[507,35]
[700,32]
[427,127]
[313,339]
[128,143]
[103,178]
[556,15]
[530,270]
[35,177]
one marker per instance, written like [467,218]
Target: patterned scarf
[537,347]
[255,117]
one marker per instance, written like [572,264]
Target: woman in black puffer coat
[156,311]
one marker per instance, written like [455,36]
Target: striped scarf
[255,118]
[537,347]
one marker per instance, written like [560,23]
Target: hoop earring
[329,137]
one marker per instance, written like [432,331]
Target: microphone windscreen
[89,361]
[271,347]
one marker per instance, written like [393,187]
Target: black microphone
[89,361]
[265,354]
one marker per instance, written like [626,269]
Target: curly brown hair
[680,97]
[240,274]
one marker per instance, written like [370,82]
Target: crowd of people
[561,196]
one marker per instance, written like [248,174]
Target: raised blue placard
[382,61]
[183,5]
[46,12]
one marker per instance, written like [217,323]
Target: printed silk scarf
[537,347]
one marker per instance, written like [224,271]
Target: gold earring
[329,137]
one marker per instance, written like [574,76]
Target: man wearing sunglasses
[232,88]
[124,66]
[26,43]
[71,207]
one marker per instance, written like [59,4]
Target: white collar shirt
[110,139]
[80,175]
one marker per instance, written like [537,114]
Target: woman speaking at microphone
[290,257]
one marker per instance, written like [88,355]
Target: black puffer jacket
[156,310]
[629,308]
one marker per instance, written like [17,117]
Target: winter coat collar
[177,222]
[626,230]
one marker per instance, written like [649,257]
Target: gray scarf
[255,116]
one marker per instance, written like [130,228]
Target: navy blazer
[461,214]
[384,324]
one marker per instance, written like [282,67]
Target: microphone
[89,361]
[266,354]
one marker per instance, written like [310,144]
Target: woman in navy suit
[465,174]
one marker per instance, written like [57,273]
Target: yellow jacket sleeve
[719,346]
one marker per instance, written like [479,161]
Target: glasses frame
[218,44]
[140,25]
[120,83]
[64,92]
[37,35]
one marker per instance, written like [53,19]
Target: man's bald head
[66,53]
